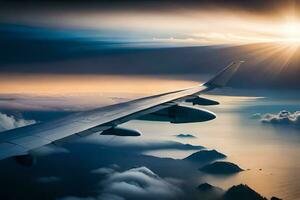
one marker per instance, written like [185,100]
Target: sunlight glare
[291,32]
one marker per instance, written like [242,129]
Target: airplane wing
[105,120]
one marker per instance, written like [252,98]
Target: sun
[291,32]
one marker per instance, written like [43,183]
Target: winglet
[221,79]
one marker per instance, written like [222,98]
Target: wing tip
[222,78]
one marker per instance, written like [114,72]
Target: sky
[163,22]
[152,38]
[58,57]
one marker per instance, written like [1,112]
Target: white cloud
[106,170]
[10,122]
[138,183]
[283,117]
[256,116]
[103,170]
[134,184]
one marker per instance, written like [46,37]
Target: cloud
[8,122]
[138,183]
[256,116]
[254,6]
[103,170]
[282,118]
[132,146]
[106,170]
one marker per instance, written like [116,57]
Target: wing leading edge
[22,140]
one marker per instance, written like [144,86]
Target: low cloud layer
[282,118]
[136,183]
[8,122]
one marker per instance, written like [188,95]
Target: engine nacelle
[202,101]
[121,132]
[180,114]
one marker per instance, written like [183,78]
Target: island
[204,156]
[220,167]
[244,192]
[185,136]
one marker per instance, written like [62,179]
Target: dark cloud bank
[265,7]
[23,52]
